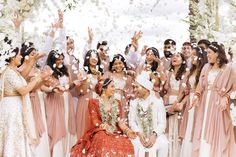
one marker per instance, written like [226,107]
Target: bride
[106,134]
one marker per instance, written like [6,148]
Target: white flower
[2,36]
[1,6]
[76,72]
[27,8]
[233,95]
[26,57]
[60,66]
[184,84]
[73,67]
[67,87]
[30,2]
[6,47]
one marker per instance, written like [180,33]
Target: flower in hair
[214,47]
[26,57]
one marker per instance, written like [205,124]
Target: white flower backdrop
[113,20]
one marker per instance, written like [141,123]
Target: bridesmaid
[198,60]
[17,127]
[213,129]
[175,99]
[59,107]
[155,67]
[123,82]
[107,131]
[28,52]
[90,76]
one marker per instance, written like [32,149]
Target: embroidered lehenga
[17,132]
[97,143]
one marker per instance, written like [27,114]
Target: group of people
[134,104]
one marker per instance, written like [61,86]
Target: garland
[145,119]
[109,117]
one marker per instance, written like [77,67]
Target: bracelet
[53,89]
[228,98]
[154,133]
[196,94]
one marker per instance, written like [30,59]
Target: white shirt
[158,114]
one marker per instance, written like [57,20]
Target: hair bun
[98,88]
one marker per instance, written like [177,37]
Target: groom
[147,117]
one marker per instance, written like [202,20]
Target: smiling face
[118,66]
[93,59]
[70,44]
[139,90]
[110,90]
[194,57]
[176,59]
[33,53]
[17,60]
[211,56]
[103,52]
[59,61]
[150,57]
[186,50]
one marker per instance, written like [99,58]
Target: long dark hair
[154,64]
[26,49]
[101,86]
[217,48]
[182,68]
[117,57]
[201,61]
[51,60]
[86,61]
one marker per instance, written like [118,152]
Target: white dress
[119,85]
[204,146]
[186,148]
[14,139]
[173,123]
[160,148]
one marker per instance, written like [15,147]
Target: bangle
[228,98]
[197,95]
[53,89]
[154,133]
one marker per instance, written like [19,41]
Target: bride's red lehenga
[97,143]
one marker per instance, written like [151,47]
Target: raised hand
[60,18]
[17,22]
[137,36]
[144,49]
[90,35]
[39,55]
[135,39]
